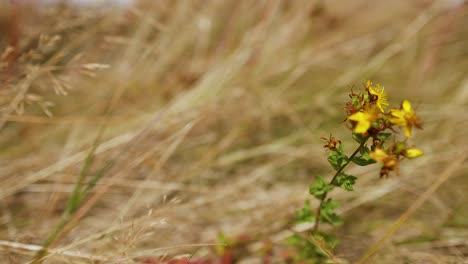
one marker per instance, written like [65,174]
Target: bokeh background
[210,114]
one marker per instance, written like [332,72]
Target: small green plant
[80,192]
[375,130]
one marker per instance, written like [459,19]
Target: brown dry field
[210,114]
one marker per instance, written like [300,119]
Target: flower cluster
[372,127]
[367,115]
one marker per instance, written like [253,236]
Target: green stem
[74,202]
[324,196]
[40,255]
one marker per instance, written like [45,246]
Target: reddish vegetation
[12,32]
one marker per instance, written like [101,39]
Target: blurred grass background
[212,113]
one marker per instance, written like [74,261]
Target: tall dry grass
[211,113]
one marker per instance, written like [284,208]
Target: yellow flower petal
[398,117]
[378,155]
[407,129]
[362,127]
[363,121]
[397,113]
[405,118]
[406,105]
[412,153]
[380,94]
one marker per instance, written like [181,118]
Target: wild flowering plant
[374,128]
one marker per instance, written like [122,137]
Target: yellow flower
[378,155]
[389,162]
[405,117]
[363,121]
[412,153]
[377,95]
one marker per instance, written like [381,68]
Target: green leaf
[329,239]
[377,123]
[363,150]
[337,159]
[319,188]
[327,213]
[399,147]
[305,249]
[340,148]
[345,181]
[383,136]
[356,103]
[305,214]
[294,240]
[223,243]
[358,137]
[366,97]
[365,158]
[362,161]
